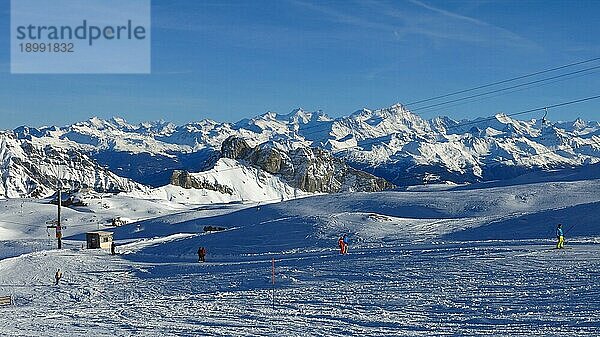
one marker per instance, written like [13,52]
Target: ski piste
[315,291]
[409,251]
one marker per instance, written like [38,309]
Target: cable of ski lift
[469,101]
[502,89]
[503,81]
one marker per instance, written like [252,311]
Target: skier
[112,248]
[201,254]
[341,244]
[57,277]
[560,236]
[346,243]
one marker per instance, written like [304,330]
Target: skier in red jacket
[341,244]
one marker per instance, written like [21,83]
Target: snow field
[441,262]
[448,289]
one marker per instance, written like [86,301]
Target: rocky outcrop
[186,180]
[309,169]
[235,148]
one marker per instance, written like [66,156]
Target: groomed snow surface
[438,262]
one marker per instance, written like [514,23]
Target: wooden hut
[99,239]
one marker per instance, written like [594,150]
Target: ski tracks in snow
[477,288]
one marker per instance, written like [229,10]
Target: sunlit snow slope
[474,262]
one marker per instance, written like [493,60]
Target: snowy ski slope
[434,262]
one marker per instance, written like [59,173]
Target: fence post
[273,280]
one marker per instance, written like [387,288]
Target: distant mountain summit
[391,143]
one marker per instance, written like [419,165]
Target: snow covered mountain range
[391,143]
[32,167]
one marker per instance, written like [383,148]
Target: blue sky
[227,60]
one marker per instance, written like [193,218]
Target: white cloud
[418,18]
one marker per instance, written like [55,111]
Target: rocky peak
[306,168]
[235,148]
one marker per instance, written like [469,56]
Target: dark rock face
[186,180]
[309,169]
[235,148]
[267,158]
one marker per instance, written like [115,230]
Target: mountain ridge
[392,143]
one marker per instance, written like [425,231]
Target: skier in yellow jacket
[560,236]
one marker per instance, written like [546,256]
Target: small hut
[99,239]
